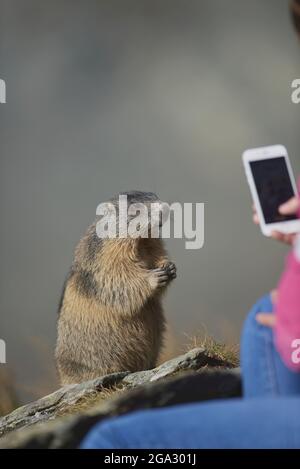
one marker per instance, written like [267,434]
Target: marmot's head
[136,197]
[132,214]
[295,10]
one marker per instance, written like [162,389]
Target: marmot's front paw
[159,277]
[171,270]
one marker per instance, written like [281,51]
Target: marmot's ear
[295,9]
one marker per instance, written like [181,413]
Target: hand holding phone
[291,207]
[274,191]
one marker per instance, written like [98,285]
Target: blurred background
[158,95]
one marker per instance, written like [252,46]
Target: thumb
[290,207]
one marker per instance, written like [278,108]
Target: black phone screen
[274,187]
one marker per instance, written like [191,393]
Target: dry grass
[225,352]
[94,400]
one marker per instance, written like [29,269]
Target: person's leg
[232,423]
[264,373]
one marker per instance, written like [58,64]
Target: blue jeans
[268,416]
[264,373]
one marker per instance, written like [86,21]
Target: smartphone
[272,182]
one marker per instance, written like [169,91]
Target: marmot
[110,314]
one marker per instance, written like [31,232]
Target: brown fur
[110,317]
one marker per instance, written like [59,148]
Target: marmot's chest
[147,263]
[147,259]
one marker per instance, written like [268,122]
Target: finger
[266,319]
[290,207]
[274,296]
[285,238]
[289,238]
[277,235]
[255,219]
[164,282]
[162,274]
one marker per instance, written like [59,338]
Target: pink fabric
[287,309]
[298,187]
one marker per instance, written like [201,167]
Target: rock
[56,403]
[43,424]
[192,360]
